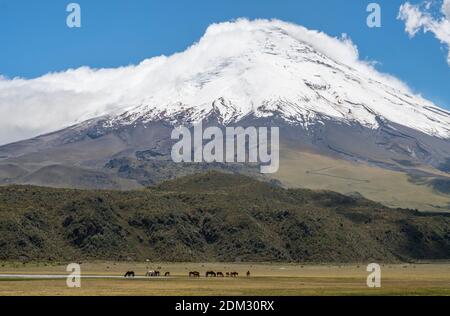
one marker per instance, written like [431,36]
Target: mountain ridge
[214,217]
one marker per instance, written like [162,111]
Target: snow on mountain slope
[246,67]
[264,67]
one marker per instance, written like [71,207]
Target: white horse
[152,273]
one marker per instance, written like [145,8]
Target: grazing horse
[234,274]
[210,273]
[227,274]
[194,274]
[152,273]
[167,274]
[248,274]
[220,274]
[129,274]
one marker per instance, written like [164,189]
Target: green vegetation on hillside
[213,217]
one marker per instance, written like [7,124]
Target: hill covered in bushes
[213,217]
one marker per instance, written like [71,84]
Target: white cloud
[446,9]
[57,100]
[421,17]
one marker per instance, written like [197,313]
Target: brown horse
[167,274]
[234,274]
[227,274]
[129,274]
[220,274]
[211,274]
[194,274]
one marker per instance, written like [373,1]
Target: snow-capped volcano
[271,67]
[366,131]
[258,67]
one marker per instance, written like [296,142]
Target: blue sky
[35,40]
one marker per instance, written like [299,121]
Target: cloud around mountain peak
[29,107]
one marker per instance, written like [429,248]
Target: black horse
[129,274]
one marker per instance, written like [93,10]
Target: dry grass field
[302,169]
[265,279]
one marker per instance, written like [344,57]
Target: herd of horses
[192,274]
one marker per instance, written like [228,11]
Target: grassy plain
[265,279]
